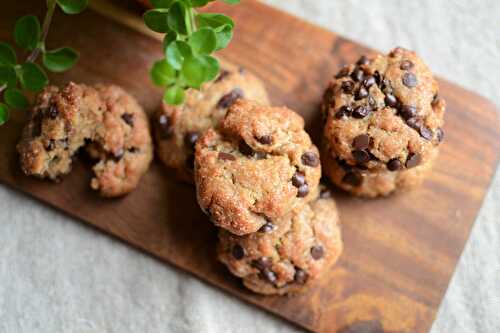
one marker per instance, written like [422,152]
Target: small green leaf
[177,16]
[203,41]
[72,6]
[27,32]
[197,70]
[157,20]
[214,20]
[176,52]
[60,60]
[4,113]
[169,38]
[8,76]
[162,3]
[223,35]
[33,78]
[232,2]
[7,55]
[162,74]
[174,95]
[15,98]
[212,68]
[199,3]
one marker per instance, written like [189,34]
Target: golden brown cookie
[177,128]
[105,119]
[258,166]
[383,124]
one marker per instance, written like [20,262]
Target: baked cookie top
[256,167]
[285,256]
[177,128]
[104,119]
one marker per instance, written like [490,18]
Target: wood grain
[400,252]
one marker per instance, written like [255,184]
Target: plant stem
[2,88]
[51,6]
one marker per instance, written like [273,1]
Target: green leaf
[32,77]
[223,35]
[27,32]
[174,95]
[168,39]
[7,55]
[203,41]
[157,20]
[214,20]
[60,60]
[197,70]
[4,113]
[72,6]
[232,2]
[15,98]
[162,74]
[162,3]
[176,52]
[177,16]
[8,76]
[199,3]
[212,67]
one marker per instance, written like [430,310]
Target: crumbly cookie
[104,119]
[177,128]
[285,256]
[383,124]
[256,167]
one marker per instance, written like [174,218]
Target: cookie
[177,128]
[287,255]
[256,167]
[105,120]
[383,124]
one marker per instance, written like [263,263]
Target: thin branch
[51,6]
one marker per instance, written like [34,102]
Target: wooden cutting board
[400,252]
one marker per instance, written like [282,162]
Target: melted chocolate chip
[226,156]
[369,81]
[410,80]
[300,276]
[386,86]
[391,100]
[310,159]
[118,155]
[360,112]
[344,111]
[298,179]
[128,118]
[229,99]
[353,178]
[52,112]
[372,103]
[165,128]
[406,65]
[265,139]
[414,123]
[413,160]
[222,76]
[363,60]
[260,155]
[317,252]
[262,263]
[325,193]
[361,142]
[51,144]
[190,139]
[426,133]
[377,77]
[361,93]
[238,252]
[268,275]
[342,73]
[435,100]
[394,164]
[440,134]
[361,156]
[347,87]
[267,228]
[303,191]
[245,149]
[408,111]
[358,75]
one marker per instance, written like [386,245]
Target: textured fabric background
[57,275]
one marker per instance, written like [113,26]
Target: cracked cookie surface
[256,167]
[285,256]
[105,120]
[383,124]
[177,128]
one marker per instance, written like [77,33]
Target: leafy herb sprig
[30,36]
[190,39]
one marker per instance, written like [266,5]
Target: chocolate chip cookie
[286,255]
[383,125]
[105,120]
[256,167]
[179,127]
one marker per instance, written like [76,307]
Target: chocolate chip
[118,155]
[222,76]
[406,65]
[342,73]
[347,87]
[317,252]
[360,112]
[363,60]
[300,276]
[408,111]
[242,70]
[310,159]
[414,123]
[440,134]
[190,139]
[391,100]
[410,80]
[325,193]
[267,228]
[386,86]
[226,156]
[128,118]
[165,127]
[238,252]
[361,142]
[344,110]
[52,112]
[268,275]
[260,155]
[353,178]
[245,149]
[229,99]
[369,81]
[426,133]
[361,93]
[298,179]
[303,191]
[65,143]
[50,145]
[343,164]
[358,75]
[413,160]
[435,100]
[262,263]
[372,103]
[377,77]
[361,156]
[394,164]
[265,139]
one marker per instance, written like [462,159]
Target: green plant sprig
[190,39]
[30,36]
